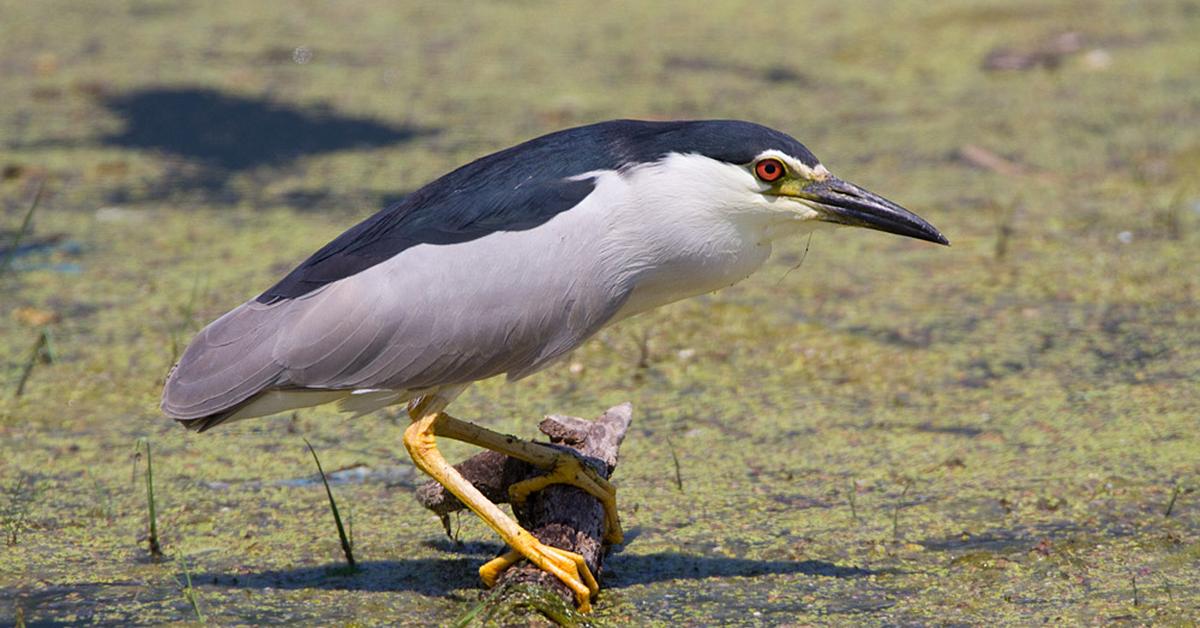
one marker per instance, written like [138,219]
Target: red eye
[769,170]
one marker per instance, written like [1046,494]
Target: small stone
[1097,59]
[302,55]
[120,215]
[45,63]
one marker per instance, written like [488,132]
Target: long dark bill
[847,204]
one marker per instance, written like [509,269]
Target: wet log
[560,515]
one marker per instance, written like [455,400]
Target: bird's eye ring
[769,170]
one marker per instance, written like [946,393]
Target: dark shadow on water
[427,576]
[233,132]
[1026,538]
[212,136]
[645,569]
[966,431]
[436,576]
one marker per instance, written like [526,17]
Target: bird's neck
[676,241]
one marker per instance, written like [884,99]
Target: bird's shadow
[628,570]
[437,576]
[208,136]
[232,132]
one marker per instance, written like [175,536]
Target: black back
[522,187]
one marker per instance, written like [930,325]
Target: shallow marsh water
[891,432]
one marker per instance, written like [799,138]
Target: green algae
[891,433]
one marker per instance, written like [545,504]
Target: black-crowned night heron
[505,265]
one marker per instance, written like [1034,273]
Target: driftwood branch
[560,515]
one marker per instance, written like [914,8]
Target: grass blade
[187,314]
[853,504]
[347,548]
[1174,496]
[41,352]
[188,591]
[155,547]
[896,512]
[466,618]
[20,235]
[15,514]
[675,460]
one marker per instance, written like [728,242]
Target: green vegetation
[15,515]
[41,352]
[347,544]
[152,544]
[188,590]
[1003,431]
[19,234]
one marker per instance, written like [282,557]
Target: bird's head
[750,169]
[812,194]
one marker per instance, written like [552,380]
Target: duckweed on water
[891,433]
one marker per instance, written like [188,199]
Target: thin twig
[803,256]
[1171,505]
[675,459]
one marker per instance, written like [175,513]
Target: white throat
[687,225]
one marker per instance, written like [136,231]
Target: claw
[429,421]
[568,567]
[570,470]
[491,570]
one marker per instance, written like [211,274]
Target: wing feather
[431,316]
[228,362]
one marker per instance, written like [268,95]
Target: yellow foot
[570,470]
[568,567]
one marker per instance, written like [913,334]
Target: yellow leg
[568,567]
[565,468]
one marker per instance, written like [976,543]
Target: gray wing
[228,362]
[429,317]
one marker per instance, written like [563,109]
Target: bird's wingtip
[203,424]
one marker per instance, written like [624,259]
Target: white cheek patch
[807,211]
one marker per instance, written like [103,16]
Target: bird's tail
[203,424]
[265,403]
[225,368]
